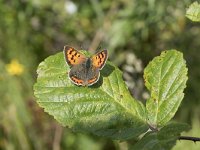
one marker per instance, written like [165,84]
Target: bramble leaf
[165,77]
[193,12]
[164,139]
[105,108]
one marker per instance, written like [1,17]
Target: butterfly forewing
[99,59]
[72,56]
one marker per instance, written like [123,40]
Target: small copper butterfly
[84,70]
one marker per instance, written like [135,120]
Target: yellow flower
[14,67]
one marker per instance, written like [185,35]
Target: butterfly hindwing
[99,59]
[93,75]
[72,56]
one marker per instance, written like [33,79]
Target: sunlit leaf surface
[105,108]
[165,77]
[193,12]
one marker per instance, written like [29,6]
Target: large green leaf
[164,139]
[165,77]
[193,12]
[105,109]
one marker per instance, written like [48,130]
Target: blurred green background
[133,31]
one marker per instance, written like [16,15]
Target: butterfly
[84,71]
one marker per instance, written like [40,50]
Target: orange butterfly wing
[72,56]
[99,59]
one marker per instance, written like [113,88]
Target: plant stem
[194,139]
[57,137]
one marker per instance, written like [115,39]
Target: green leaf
[193,12]
[164,139]
[105,108]
[165,77]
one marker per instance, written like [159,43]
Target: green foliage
[14,114]
[164,139]
[165,77]
[142,29]
[181,145]
[105,109]
[193,12]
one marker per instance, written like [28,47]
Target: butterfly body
[84,70]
